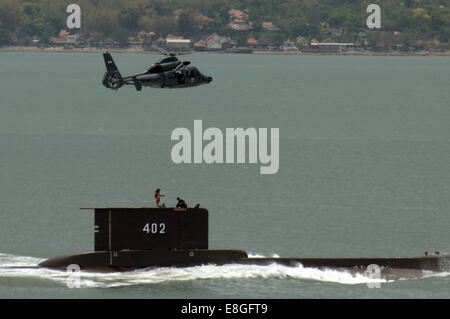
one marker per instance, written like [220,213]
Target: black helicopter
[167,73]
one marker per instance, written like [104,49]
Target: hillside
[421,23]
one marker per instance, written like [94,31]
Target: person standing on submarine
[157,197]
[181,203]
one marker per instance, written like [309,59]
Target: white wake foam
[9,272]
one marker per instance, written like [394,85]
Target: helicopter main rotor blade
[182,65]
[159,49]
[178,68]
[167,53]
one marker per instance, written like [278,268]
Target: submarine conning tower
[150,228]
[130,238]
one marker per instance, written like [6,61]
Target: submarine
[128,239]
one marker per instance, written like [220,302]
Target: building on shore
[239,20]
[328,46]
[65,40]
[289,46]
[135,43]
[252,42]
[214,42]
[177,44]
[268,26]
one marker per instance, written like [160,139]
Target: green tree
[129,17]
[186,23]
[9,15]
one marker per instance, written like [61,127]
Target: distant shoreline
[256,52]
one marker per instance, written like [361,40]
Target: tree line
[410,22]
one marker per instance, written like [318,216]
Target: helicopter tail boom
[112,78]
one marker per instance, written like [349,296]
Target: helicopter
[169,72]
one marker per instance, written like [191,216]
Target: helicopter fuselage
[187,77]
[168,73]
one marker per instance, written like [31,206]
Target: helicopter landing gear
[137,84]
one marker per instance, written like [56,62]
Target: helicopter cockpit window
[193,72]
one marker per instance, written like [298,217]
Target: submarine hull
[136,259]
[116,261]
[127,239]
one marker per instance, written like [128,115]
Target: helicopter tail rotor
[112,78]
